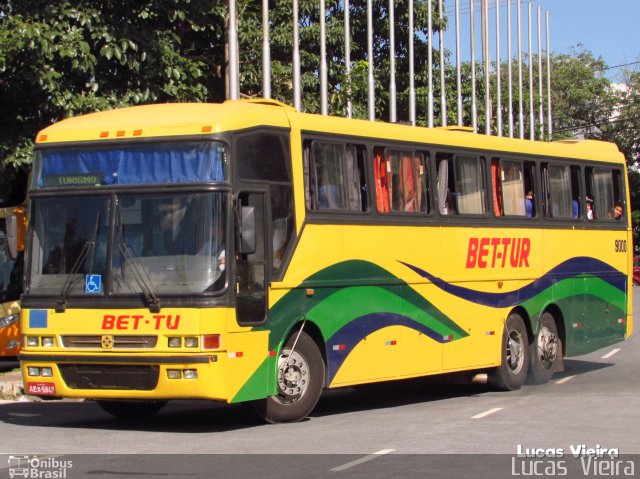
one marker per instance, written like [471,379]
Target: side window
[461,188]
[513,188]
[557,191]
[263,157]
[401,176]
[604,194]
[335,176]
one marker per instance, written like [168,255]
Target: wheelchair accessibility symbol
[93,283]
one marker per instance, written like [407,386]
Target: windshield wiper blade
[71,279]
[153,302]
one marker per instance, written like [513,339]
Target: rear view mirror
[247,230]
[12,236]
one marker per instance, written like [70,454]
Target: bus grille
[119,342]
[103,376]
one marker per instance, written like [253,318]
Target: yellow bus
[245,251]
[13,224]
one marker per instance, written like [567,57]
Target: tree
[64,58]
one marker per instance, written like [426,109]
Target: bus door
[251,261]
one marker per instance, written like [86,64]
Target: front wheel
[300,381]
[131,409]
[512,372]
[545,350]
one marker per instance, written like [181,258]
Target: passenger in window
[530,204]
[618,209]
[575,209]
[589,208]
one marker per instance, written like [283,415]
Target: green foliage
[59,59]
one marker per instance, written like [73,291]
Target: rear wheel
[512,372]
[131,409]
[545,350]
[300,381]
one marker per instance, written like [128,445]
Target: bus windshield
[166,243]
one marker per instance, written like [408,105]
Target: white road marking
[610,353]
[362,460]
[487,413]
[564,380]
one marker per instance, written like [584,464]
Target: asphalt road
[425,428]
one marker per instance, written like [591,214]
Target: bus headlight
[33,341]
[190,342]
[9,320]
[47,341]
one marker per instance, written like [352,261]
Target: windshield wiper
[71,279]
[153,302]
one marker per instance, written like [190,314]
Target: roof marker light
[120,133]
[207,129]
[104,134]
[137,132]
[43,137]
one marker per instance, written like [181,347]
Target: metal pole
[520,101]
[430,64]
[540,100]
[509,54]
[297,96]
[412,89]
[487,63]
[498,79]
[266,53]
[392,64]
[372,114]
[443,92]
[347,57]
[233,53]
[549,119]
[474,104]
[458,64]
[323,60]
[532,116]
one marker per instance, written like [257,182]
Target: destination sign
[80,179]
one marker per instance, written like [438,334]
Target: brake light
[211,341]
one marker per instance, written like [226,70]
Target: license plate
[41,389]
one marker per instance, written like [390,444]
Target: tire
[512,372]
[299,386]
[544,351]
[131,409]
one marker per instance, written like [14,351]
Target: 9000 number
[621,246]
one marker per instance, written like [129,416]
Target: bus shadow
[201,416]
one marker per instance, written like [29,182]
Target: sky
[609,28]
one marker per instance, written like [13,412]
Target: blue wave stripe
[571,268]
[359,328]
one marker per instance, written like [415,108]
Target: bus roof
[188,119]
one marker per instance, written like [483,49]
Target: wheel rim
[547,347]
[293,376]
[515,351]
